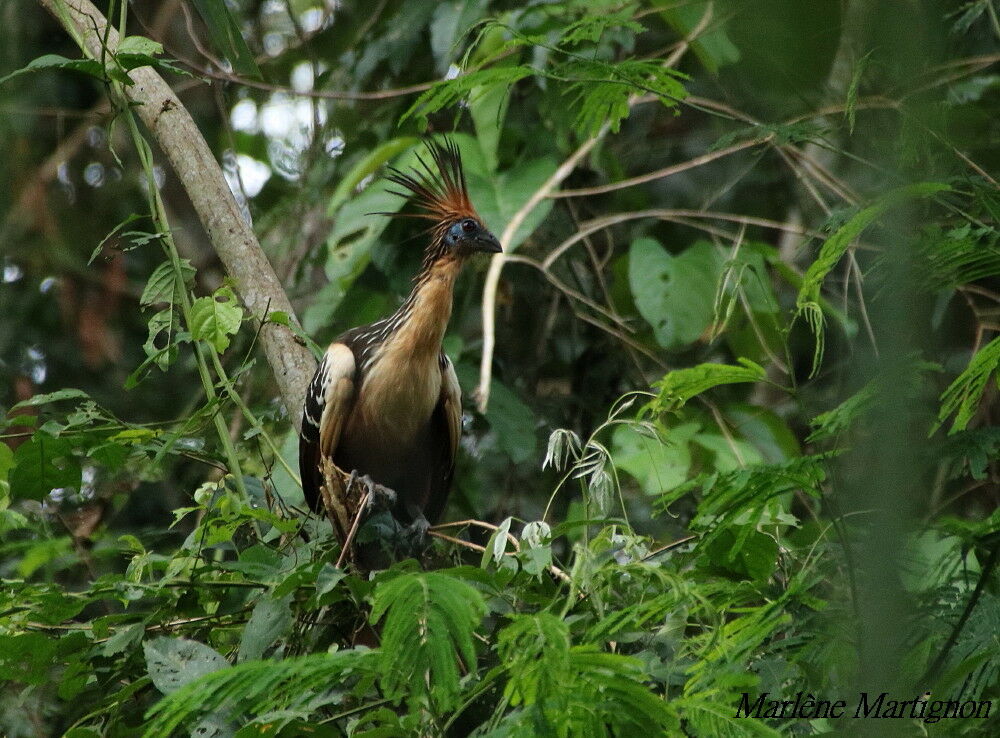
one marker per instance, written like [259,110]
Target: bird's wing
[451,399]
[447,413]
[328,403]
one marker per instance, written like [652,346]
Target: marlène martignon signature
[866,705]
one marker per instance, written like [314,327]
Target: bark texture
[170,124]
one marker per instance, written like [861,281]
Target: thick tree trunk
[195,166]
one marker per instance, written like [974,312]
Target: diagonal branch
[482,392]
[196,168]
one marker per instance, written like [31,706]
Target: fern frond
[840,418]
[712,716]
[448,92]
[297,687]
[677,387]
[807,302]
[430,619]
[963,395]
[574,690]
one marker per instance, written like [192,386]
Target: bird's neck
[423,317]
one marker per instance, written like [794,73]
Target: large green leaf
[451,22]
[513,422]
[711,44]
[173,662]
[6,462]
[26,657]
[658,465]
[90,67]
[47,397]
[498,197]
[270,620]
[675,294]
[43,464]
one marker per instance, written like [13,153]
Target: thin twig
[553,569]
[362,504]
[661,173]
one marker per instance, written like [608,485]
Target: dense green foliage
[740,435]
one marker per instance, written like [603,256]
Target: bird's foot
[379,498]
[413,538]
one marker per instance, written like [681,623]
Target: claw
[414,536]
[379,497]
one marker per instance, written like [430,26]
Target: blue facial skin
[470,235]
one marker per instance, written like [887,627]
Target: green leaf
[850,108]
[499,196]
[173,662]
[452,20]
[138,51]
[728,453]
[677,387]
[270,620]
[566,690]
[26,657]
[753,554]
[139,45]
[592,27]
[658,465]
[675,294]
[163,322]
[123,639]
[227,38]
[488,109]
[513,423]
[711,45]
[6,462]
[370,164]
[216,318]
[839,419]
[47,397]
[603,92]
[131,218]
[43,464]
[448,92]
[163,285]
[90,67]
[299,684]
[430,618]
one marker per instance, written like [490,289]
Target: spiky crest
[442,195]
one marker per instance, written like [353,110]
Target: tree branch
[195,166]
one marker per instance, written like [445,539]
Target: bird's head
[443,198]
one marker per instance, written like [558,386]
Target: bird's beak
[487,243]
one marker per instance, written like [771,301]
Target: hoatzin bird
[385,402]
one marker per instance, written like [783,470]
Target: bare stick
[482,392]
[660,173]
[362,504]
[496,264]
[553,569]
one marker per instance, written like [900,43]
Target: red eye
[468,225]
